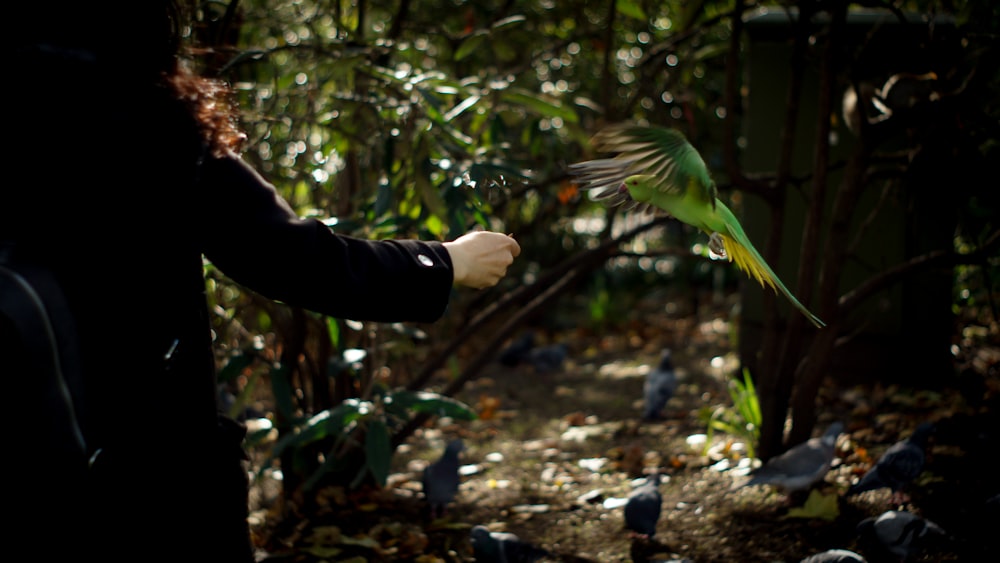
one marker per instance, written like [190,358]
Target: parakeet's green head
[640,187]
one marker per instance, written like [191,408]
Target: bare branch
[934,259]
[544,290]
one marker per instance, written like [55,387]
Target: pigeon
[441,479]
[548,358]
[659,387]
[518,350]
[503,547]
[898,467]
[834,556]
[642,509]
[906,92]
[801,466]
[902,94]
[899,533]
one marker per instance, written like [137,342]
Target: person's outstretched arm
[253,236]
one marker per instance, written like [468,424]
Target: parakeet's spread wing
[659,152]
[657,168]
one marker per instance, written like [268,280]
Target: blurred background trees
[428,119]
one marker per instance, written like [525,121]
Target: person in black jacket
[130,179]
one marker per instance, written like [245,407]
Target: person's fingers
[481,258]
[515,249]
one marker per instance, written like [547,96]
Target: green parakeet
[657,168]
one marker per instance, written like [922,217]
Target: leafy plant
[741,419]
[356,424]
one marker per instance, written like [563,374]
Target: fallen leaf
[818,505]
[576,419]
[487,407]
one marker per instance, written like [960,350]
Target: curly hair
[212,106]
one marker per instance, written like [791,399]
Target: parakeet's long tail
[740,251]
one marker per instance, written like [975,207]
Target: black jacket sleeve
[253,236]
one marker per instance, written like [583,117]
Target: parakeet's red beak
[623,189]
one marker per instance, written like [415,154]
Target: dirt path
[553,451]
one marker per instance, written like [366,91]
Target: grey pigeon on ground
[660,384]
[834,556]
[899,465]
[900,534]
[441,479]
[503,547]
[801,466]
[642,509]
[517,351]
[548,358]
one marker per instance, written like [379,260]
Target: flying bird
[657,168]
[801,466]
[899,465]
[901,534]
[660,384]
[441,479]
[503,547]
[642,509]
[834,556]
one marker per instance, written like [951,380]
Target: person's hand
[480,258]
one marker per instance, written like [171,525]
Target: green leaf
[434,105]
[631,9]
[510,21]
[429,195]
[333,327]
[461,107]
[430,403]
[364,541]
[322,551]
[754,403]
[235,366]
[711,50]
[330,422]
[435,226]
[470,44]
[378,450]
[281,388]
[482,173]
[818,505]
[544,106]
[383,199]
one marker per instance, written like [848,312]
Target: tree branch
[541,293]
[473,368]
[937,258]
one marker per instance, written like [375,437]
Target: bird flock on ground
[656,169]
[896,534]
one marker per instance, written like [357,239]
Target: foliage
[364,422]
[741,419]
[426,119]
[426,122]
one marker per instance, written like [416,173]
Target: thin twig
[936,258]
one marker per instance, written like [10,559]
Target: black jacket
[118,197]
